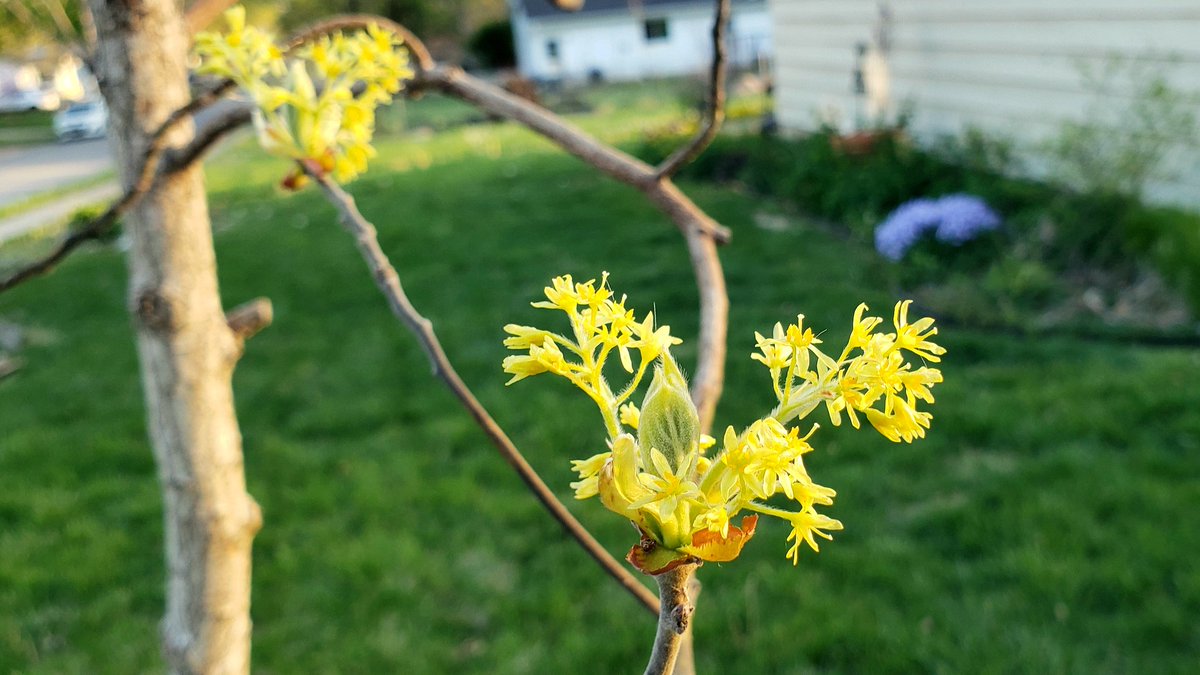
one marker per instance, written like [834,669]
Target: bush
[493,46]
[1052,237]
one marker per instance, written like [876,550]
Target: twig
[388,282]
[714,113]
[674,618]
[247,320]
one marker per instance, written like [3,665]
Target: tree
[186,349]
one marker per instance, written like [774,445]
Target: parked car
[29,99]
[86,119]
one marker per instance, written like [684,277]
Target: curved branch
[609,160]
[388,283]
[715,110]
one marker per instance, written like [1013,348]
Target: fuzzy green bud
[669,421]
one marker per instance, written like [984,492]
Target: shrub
[493,46]
[1052,237]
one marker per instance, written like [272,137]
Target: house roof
[543,8]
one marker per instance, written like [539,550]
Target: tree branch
[388,282]
[714,113]
[152,169]
[612,162]
[674,618]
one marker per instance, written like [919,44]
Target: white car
[29,99]
[86,119]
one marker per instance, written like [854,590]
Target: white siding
[615,45]
[1012,68]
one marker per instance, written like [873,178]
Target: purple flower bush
[955,220]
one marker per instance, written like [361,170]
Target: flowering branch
[388,282]
[714,113]
[159,160]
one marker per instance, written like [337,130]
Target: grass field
[1047,525]
[21,128]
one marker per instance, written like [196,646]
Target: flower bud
[669,421]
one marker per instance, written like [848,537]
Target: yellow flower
[915,337]
[588,469]
[600,326]
[523,337]
[669,487]
[805,525]
[630,415]
[715,519]
[860,332]
[521,367]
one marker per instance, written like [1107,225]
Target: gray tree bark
[186,350]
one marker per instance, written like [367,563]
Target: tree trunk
[186,350]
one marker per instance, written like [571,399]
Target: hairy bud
[669,421]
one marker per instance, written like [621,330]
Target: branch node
[154,311]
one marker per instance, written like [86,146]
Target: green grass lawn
[20,128]
[1047,525]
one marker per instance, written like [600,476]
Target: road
[27,171]
[31,170]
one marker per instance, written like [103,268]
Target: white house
[1013,68]
[632,39]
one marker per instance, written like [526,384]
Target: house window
[656,29]
[552,48]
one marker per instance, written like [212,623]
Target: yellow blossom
[805,525]
[630,415]
[661,480]
[325,122]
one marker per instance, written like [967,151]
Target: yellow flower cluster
[683,501]
[872,375]
[319,107]
[600,325]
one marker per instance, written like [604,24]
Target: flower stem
[674,615]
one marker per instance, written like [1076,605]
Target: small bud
[669,421]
